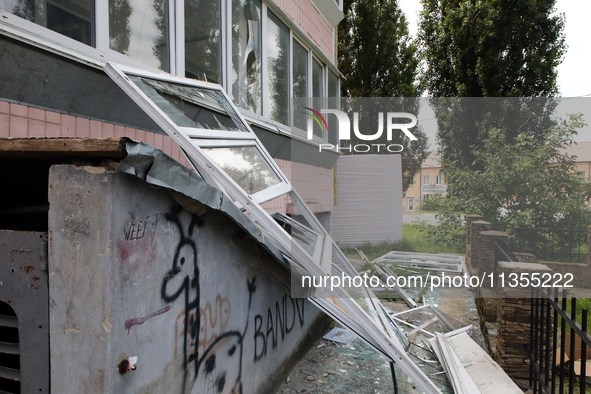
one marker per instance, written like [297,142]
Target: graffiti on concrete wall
[137,248]
[217,368]
[209,341]
[214,319]
[269,330]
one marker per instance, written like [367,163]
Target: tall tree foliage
[488,48]
[379,59]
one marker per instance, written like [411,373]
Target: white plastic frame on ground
[361,312]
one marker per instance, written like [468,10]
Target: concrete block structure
[129,269]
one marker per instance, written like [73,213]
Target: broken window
[200,118]
[246,54]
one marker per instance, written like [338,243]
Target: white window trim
[99,55]
[380,333]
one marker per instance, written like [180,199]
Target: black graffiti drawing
[279,323]
[220,365]
[222,360]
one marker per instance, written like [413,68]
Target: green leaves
[527,183]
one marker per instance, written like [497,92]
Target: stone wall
[507,309]
[514,321]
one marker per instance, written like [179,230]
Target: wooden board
[63,147]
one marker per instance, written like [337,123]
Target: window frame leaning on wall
[356,308]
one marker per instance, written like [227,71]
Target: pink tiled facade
[314,184]
[19,121]
[307,17]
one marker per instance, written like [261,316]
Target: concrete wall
[369,193]
[133,274]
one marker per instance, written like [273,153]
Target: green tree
[524,183]
[378,58]
[488,48]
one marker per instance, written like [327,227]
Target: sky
[573,74]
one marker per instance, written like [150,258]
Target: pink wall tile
[96,129]
[18,110]
[36,113]
[175,151]
[4,107]
[36,128]
[68,126]
[167,145]
[130,132]
[305,15]
[52,117]
[158,141]
[4,125]
[18,127]
[149,138]
[82,127]
[119,131]
[140,135]
[52,130]
[108,130]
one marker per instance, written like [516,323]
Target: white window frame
[372,323]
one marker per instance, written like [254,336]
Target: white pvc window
[246,73]
[139,29]
[202,38]
[277,61]
[71,19]
[242,169]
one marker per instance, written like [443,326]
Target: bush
[449,233]
[434,203]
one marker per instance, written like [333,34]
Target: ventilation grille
[10,364]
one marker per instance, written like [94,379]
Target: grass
[582,303]
[413,241]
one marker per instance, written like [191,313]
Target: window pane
[300,79]
[246,54]
[317,80]
[139,29]
[72,18]
[333,102]
[202,40]
[246,166]
[317,88]
[190,106]
[333,84]
[278,69]
[305,237]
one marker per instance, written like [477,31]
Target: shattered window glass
[246,166]
[191,106]
[306,238]
[246,54]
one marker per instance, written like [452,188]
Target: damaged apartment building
[148,238]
